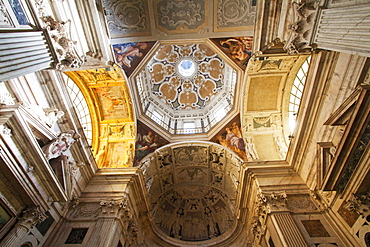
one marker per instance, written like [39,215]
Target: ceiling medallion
[186,68]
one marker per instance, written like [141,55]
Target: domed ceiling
[192,190]
[186,76]
[185,82]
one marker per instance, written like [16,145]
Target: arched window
[80,105]
[296,93]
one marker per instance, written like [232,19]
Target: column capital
[30,217]
[115,207]
[274,201]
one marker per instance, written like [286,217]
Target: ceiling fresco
[192,189]
[147,141]
[109,101]
[145,20]
[231,137]
[239,49]
[129,55]
[186,76]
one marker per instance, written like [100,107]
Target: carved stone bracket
[300,28]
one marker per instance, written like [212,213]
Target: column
[274,205]
[107,230]
[345,29]
[29,219]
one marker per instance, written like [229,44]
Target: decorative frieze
[85,210]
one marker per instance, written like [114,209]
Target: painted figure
[145,146]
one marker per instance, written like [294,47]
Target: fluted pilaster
[289,232]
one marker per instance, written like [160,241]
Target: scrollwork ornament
[233,13]
[125,16]
[85,210]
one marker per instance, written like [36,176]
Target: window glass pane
[81,108]
[157,117]
[296,93]
[19,12]
[219,113]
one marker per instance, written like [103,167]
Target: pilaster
[30,217]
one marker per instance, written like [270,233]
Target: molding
[344,111]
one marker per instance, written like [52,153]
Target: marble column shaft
[287,228]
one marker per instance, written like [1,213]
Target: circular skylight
[186,68]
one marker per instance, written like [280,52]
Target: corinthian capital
[30,217]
